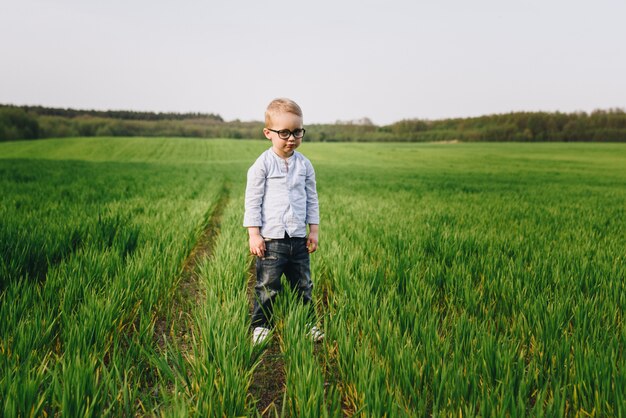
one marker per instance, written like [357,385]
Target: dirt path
[177,324]
[268,381]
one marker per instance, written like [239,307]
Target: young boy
[281,200]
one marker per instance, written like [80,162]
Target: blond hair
[281,105]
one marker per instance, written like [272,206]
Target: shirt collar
[278,157]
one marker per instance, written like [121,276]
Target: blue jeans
[288,256]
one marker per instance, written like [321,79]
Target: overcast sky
[386,60]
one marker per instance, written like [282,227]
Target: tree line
[33,122]
[118,114]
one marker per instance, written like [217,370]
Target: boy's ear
[267,133]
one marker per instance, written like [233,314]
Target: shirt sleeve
[255,189]
[312,203]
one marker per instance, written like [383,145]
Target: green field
[451,280]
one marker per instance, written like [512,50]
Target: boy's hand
[257,243]
[311,242]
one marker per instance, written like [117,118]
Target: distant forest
[34,122]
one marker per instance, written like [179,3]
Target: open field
[452,279]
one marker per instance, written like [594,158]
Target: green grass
[473,279]
[487,279]
[90,253]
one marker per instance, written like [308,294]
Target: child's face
[284,147]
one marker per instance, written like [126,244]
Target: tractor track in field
[268,380]
[176,324]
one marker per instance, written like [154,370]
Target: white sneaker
[316,334]
[259,335]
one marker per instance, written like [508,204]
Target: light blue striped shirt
[281,195]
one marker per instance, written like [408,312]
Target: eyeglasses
[286,133]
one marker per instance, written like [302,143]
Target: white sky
[386,60]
